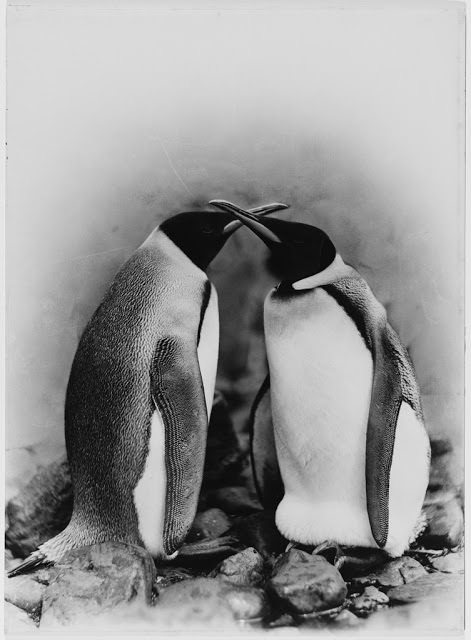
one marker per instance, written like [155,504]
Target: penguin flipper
[393,383]
[385,404]
[177,391]
[266,471]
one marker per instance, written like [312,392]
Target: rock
[168,575]
[247,603]
[209,524]
[439,446]
[16,620]
[369,601]
[244,568]
[41,510]
[234,500]
[345,620]
[433,586]
[445,523]
[440,472]
[207,600]
[285,620]
[259,530]
[24,592]
[95,579]
[395,572]
[304,583]
[450,563]
[358,561]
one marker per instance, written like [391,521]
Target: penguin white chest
[320,378]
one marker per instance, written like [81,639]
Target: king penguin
[339,446]
[140,393]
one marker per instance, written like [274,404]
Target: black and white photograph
[234,313]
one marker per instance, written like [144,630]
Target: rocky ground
[249,579]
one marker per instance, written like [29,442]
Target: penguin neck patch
[336,270]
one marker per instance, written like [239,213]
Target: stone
[244,568]
[445,523]
[439,446]
[211,523]
[395,572]
[369,601]
[96,579]
[195,601]
[433,586]
[285,620]
[304,583]
[168,575]
[16,620]
[450,563]
[234,500]
[41,510]
[24,592]
[247,603]
[440,476]
[345,620]
[259,530]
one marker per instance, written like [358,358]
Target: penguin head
[298,251]
[202,234]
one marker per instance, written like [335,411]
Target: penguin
[140,393]
[339,446]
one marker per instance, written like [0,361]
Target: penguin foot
[218,548]
[34,561]
[331,551]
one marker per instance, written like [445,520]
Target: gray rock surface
[16,620]
[209,524]
[304,583]
[285,620]
[345,620]
[395,572]
[41,510]
[244,568]
[168,575]
[24,592]
[206,599]
[436,586]
[96,579]
[445,519]
[369,601]
[451,563]
[247,603]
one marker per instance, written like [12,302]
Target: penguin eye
[206,230]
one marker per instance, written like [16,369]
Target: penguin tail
[34,561]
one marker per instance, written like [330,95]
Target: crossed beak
[250,218]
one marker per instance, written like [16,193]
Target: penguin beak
[250,218]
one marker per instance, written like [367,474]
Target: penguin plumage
[140,393]
[339,446]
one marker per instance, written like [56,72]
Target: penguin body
[322,379]
[140,393]
[137,404]
[349,452]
